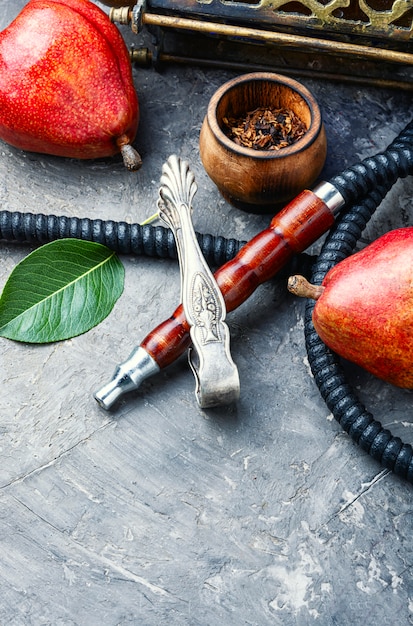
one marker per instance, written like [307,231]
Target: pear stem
[131,158]
[299,286]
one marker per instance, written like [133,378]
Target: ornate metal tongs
[216,375]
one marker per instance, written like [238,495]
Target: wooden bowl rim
[298,146]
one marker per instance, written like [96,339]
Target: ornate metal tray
[354,40]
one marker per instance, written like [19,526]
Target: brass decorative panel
[348,40]
[389,20]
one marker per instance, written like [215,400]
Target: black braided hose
[125,238]
[365,183]
[383,169]
[371,180]
[122,237]
[328,372]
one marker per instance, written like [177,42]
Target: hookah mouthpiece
[127,377]
[291,231]
[216,375]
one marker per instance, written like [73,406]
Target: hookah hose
[328,372]
[121,237]
[325,365]
[362,188]
[128,239]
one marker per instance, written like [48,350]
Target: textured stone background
[160,513]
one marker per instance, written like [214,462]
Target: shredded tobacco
[265,129]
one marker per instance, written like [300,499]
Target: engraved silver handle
[217,379]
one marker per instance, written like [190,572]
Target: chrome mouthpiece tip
[108,395]
[127,377]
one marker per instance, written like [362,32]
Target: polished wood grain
[291,231]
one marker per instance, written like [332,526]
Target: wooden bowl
[261,181]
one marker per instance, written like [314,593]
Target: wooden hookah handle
[291,231]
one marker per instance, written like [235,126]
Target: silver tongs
[216,375]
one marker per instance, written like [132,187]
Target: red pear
[66,83]
[364,307]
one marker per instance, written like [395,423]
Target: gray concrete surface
[161,513]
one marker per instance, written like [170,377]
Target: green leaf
[60,290]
